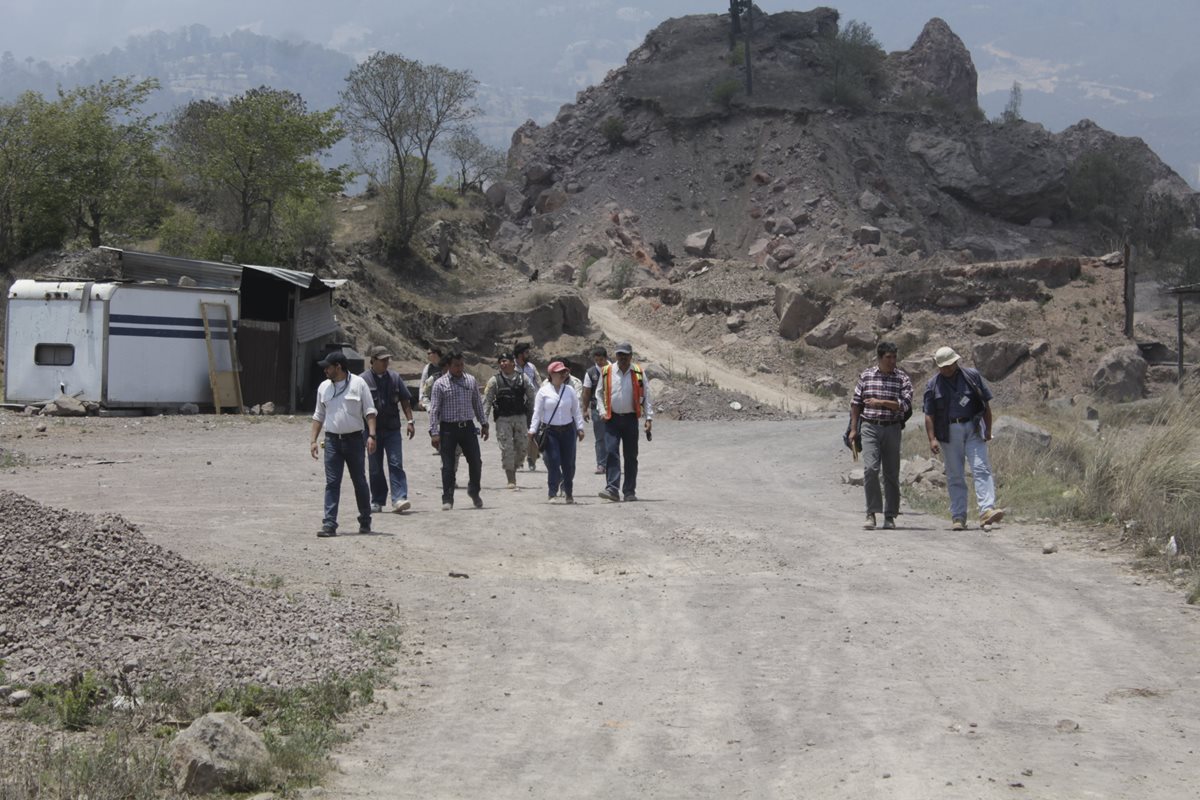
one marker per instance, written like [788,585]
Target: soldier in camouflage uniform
[508,398]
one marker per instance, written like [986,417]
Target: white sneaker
[400,506]
[376,508]
[447,506]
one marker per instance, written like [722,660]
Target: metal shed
[285,316]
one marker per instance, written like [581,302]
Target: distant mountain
[1127,66]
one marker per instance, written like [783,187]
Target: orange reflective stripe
[606,375]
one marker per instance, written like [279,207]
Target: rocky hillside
[659,174]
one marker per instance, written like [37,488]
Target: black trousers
[452,438]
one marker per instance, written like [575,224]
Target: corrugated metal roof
[140,266]
[155,266]
[302,279]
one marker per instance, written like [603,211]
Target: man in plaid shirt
[881,403]
[454,405]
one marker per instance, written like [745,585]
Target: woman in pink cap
[558,422]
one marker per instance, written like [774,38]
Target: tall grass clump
[1143,471]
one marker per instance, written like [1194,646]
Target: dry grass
[1142,472]
[71,742]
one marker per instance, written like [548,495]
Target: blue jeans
[391,444]
[346,451]
[598,435]
[560,459]
[967,445]
[621,435]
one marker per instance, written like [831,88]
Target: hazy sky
[1131,66]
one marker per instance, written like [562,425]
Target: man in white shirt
[622,398]
[344,406]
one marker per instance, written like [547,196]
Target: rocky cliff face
[659,151]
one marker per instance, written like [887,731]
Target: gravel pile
[80,592]
[703,403]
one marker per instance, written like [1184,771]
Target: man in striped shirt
[454,406]
[881,403]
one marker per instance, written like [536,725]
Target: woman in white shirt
[557,407]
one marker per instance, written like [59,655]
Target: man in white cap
[958,421]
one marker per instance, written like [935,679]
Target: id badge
[964,401]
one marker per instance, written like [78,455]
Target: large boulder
[217,753]
[998,357]
[1121,375]
[550,200]
[798,311]
[1021,432]
[829,334]
[700,243]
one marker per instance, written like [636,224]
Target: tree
[1012,109]
[397,109]
[476,161]
[100,151]
[251,162]
[854,59]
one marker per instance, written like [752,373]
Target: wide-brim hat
[945,356]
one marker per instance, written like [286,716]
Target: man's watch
[370,436]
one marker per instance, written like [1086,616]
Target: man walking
[508,399]
[881,403]
[526,367]
[429,373]
[591,380]
[958,422]
[344,405]
[623,397]
[390,396]
[454,406]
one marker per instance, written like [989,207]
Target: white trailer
[124,345]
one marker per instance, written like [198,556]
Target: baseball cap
[378,351]
[945,356]
[336,357]
[557,366]
[624,347]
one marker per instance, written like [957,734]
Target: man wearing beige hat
[958,422]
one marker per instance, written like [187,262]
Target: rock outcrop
[938,67]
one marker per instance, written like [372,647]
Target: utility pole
[1130,288]
[749,41]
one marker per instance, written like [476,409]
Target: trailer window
[54,355]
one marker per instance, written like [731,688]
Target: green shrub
[613,130]
[737,56]
[622,277]
[723,92]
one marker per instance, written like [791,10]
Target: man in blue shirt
[391,398]
[958,422]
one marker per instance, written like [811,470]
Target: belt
[959,420]
[469,423]
[351,435]
[882,422]
[626,414]
[565,427]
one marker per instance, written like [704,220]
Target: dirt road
[736,634]
[651,347]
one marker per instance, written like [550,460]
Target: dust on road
[735,634]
